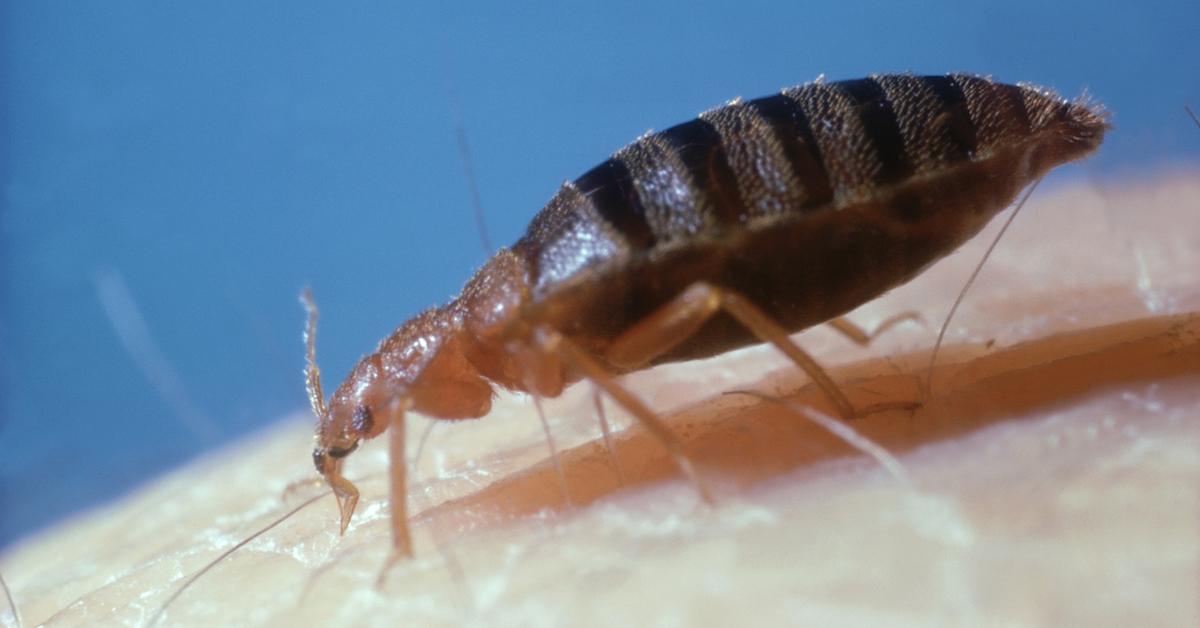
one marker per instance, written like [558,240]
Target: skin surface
[1053,478]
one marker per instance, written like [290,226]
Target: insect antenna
[312,374]
[464,153]
[841,430]
[928,384]
[11,604]
[161,612]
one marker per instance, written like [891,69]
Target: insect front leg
[397,489]
[685,314]
[398,482]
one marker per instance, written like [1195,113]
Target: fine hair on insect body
[758,219]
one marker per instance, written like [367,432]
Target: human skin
[1050,477]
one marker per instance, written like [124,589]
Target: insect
[753,221]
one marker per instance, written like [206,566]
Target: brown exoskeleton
[757,219]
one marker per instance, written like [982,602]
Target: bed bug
[755,220]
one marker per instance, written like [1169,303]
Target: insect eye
[319,459]
[362,421]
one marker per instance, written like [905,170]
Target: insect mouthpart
[342,452]
[323,455]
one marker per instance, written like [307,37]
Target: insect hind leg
[676,321]
[862,337]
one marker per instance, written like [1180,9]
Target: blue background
[210,159]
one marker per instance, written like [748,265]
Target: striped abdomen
[813,148]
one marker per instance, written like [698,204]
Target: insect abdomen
[809,148]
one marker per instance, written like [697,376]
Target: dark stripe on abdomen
[609,188]
[699,147]
[882,129]
[795,135]
[1016,103]
[997,111]
[957,115]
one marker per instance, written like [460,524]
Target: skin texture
[1053,478]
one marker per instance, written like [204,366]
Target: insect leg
[862,337]
[398,485]
[397,492]
[558,468]
[683,316]
[607,434]
[554,342]
[539,370]
[416,465]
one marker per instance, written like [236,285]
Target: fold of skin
[1055,475]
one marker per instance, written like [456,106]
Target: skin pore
[1052,478]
